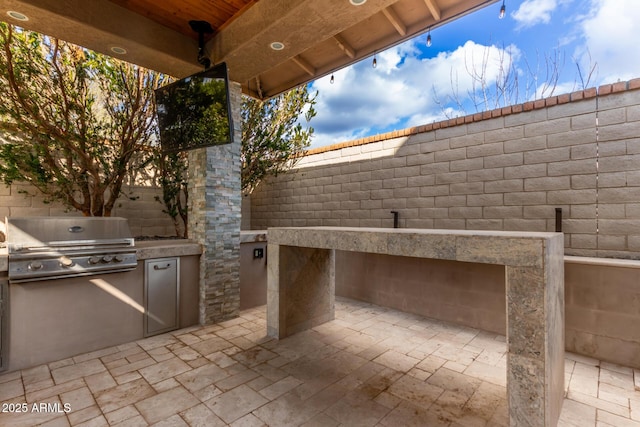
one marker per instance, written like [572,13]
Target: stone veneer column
[214,220]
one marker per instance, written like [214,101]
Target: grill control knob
[66,261]
[35,265]
[118,258]
[94,260]
[107,258]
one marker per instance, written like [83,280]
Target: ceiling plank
[434,9]
[395,20]
[344,46]
[302,63]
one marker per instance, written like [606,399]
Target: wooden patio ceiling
[319,36]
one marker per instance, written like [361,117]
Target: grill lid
[55,233]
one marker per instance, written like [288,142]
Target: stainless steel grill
[42,248]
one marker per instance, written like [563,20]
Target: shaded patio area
[370,366]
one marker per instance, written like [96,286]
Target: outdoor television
[195,111]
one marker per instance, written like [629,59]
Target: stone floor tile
[99,382]
[235,331]
[35,375]
[173,421]
[201,416]
[46,393]
[357,411]
[165,385]
[321,420]
[415,391]
[615,420]
[57,422]
[79,370]
[164,370]
[576,414]
[79,416]
[486,400]
[254,356]
[584,383]
[95,354]
[136,421]
[237,379]
[201,377]
[453,381]
[615,394]
[60,363]
[279,388]
[409,415]
[78,399]
[598,403]
[207,393]
[582,359]
[211,345]
[165,404]
[40,385]
[397,361]
[156,341]
[493,374]
[269,371]
[11,376]
[188,338]
[128,377]
[618,379]
[122,414]
[11,389]
[236,403]
[287,410]
[98,421]
[124,395]
[125,367]
[187,354]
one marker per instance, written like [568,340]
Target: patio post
[214,220]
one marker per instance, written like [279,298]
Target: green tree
[74,122]
[273,140]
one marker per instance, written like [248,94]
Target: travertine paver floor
[370,366]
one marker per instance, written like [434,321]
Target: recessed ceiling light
[118,50]
[277,45]
[17,15]
[357,2]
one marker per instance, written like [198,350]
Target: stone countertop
[251,236]
[150,249]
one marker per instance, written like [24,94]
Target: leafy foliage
[74,122]
[273,139]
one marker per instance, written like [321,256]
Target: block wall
[137,203]
[507,169]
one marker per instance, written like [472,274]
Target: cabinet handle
[157,267]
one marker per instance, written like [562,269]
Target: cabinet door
[162,290]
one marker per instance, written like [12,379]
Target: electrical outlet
[258,253]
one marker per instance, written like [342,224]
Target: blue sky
[414,84]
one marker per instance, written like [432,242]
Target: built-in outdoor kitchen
[72,285]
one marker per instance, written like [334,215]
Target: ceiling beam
[344,46]
[433,7]
[302,63]
[395,20]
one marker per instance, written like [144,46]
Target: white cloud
[399,92]
[532,12]
[610,33]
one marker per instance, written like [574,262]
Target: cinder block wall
[137,203]
[506,169]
